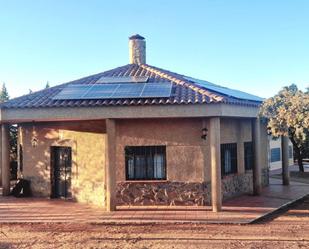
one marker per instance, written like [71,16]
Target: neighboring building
[275,153]
[138,135]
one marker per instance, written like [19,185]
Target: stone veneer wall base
[183,193]
[161,193]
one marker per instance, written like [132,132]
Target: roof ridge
[185,91]
[164,74]
[96,74]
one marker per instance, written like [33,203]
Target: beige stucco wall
[87,140]
[187,154]
[182,137]
[236,131]
[188,160]
[276,143]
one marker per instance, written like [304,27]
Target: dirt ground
[289,229]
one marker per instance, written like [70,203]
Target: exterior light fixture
[34,139]
[204,133]
[34,142]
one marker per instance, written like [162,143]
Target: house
[138,135]
[275,153]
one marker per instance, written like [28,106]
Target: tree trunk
[300,164]
[298,153]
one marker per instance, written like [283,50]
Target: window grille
[145,162]
[248,151]
[228,158]
[21,154]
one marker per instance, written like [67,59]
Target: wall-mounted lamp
[34,139]
[204,133]
[34,142]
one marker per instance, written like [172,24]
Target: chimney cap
[136,37]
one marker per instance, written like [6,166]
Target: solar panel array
[115,91]
[126,79]
[224,90]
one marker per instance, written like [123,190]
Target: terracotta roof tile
[183,91]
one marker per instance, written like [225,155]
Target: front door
[61,169]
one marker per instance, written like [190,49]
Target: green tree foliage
[4,95]
[13,140]
[287,114]
[47,85]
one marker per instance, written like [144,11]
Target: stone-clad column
[110,169]
[285,160]
[215,158]
[256,142]
[5,159]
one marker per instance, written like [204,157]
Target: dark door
[61,169]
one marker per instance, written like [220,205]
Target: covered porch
[213,137]
[208,118]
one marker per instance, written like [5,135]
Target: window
[21,154]
[275,155]
[290,151]
[145,162]
[248,155]
[228,158]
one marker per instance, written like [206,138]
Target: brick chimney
[137,49]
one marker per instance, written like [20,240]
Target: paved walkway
[292,168]
[240,210]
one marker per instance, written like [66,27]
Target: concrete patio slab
[240,210]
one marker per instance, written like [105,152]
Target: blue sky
[254,46]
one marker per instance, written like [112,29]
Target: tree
[13,150]
[4,95]
[47,85]
[287,114]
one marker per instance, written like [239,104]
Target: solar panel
[73,92]
[128,91]
[224,90]
[116,91]
[156,90]
[126,79]
[99,92]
